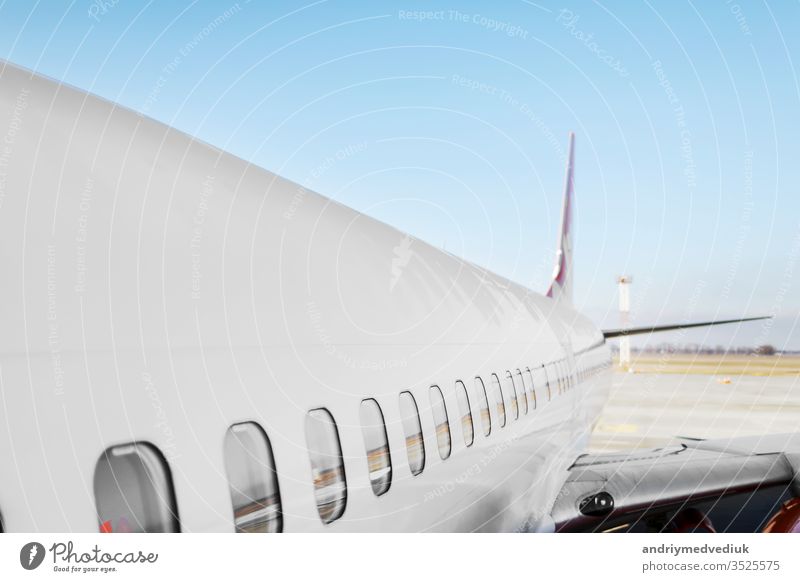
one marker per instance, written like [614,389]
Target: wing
[736,485]
[610,333]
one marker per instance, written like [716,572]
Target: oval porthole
[252,480]
[327,464]
[376,442]
[133,491]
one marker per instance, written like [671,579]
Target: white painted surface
[158,289]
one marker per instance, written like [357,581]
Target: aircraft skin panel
[160,290]
[155,199]
[184,401]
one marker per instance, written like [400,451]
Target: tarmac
[698,397]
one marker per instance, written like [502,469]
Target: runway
[700,397]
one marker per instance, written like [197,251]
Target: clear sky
[449,120]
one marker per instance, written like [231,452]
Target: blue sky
[449,120]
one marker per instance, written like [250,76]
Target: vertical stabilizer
[561,287]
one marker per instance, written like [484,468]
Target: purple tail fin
[561,287]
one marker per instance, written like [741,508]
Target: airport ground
[701,396]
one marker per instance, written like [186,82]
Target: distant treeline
[665,348]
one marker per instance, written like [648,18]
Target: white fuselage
[157,289]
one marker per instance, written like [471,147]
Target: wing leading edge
[612,333]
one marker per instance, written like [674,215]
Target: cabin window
[531,388]
[519,381]
[379,462]
[568,373]
[133,491]
[440,422]
[483,402]
[547,380]
[498,398]
[252,480]
[415,446]
[559,376]
[511,389]
[327,465]
[466,413]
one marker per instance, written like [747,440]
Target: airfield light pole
[624,282]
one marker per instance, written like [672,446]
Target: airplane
[191,343]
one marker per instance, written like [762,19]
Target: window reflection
[466,414]
[531,387]
[483,402]
[511,390]
[133,491]
[412,428]
[252,480]
[519,382]
[376,442]
[440,421]
[498,398]
[327,465]
[547,379]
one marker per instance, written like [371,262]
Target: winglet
[561,286]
